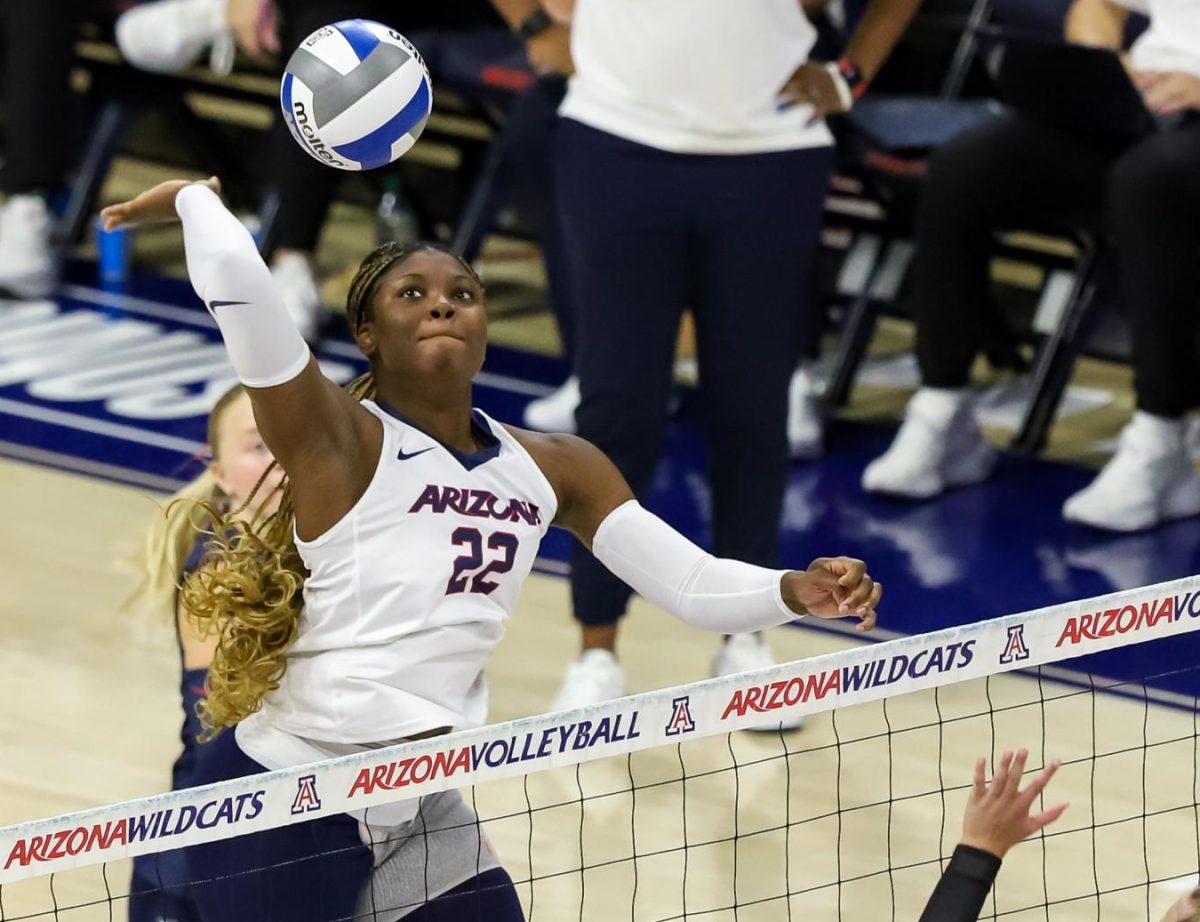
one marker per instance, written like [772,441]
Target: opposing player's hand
[834,587]
[1168,92]
[997,815]
[1184,909]
[811,85]
[155,204]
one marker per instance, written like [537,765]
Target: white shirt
[692,76]
[409,592]
[1172,41]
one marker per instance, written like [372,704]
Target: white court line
[551,566]
[164,311]
[110,472]
[143,306]
[99,427]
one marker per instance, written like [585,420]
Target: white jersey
[692,76]
[1172,42]
[410,591]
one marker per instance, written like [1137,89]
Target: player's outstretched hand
[997,815]
[834,587]
[155,204]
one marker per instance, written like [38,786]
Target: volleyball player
[997,816]
[174,547]
[409,520]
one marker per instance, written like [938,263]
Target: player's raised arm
[598,507]
[316,430]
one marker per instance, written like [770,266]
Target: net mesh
[666,812]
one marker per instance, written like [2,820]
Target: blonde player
[236,484]
[364,611]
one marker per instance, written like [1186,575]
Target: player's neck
[447,419]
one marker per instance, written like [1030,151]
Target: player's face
[428,319]
[240,458]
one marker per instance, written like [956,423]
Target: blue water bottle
[114,250]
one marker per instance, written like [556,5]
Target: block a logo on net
[307,800]
[1015,649]
[681,717]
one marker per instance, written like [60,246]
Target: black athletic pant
[1012,173]
[39,46]
[649,233]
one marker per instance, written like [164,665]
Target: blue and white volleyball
[356,94]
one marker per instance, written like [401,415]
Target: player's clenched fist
[834,587]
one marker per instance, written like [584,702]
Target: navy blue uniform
[157,891]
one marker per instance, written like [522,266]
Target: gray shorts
[435,851]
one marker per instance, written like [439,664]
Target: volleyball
[356,94]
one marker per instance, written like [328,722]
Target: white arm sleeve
[672,572]
[228,274]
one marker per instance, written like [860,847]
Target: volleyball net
[655,807]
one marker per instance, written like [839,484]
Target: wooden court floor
[90,715]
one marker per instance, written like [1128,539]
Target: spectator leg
[39,42]
[754,302]
[1006,173]
[531,127]
[1154,217]
[628,266]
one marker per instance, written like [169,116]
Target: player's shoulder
[566,460]
[553,448]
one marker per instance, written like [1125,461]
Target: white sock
[940,404]
[1160,435]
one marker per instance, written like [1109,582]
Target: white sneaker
[170,35]
[939,445]
[744,653]
[28,268]
[297,286]
[555,412]
[592,679]
[805,423]
[1149,480]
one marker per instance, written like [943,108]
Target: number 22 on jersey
[471,572]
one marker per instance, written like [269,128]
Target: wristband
[845,95]
[853,77]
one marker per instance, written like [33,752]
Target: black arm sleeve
[964,886]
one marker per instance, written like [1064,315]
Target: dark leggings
[490,897]
[1012,173]
[309,872]
[649,233]
[38,48]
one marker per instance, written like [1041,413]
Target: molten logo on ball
[356,95]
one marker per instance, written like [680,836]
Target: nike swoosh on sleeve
[215,304]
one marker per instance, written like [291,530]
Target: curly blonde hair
[172,534]
[249,589]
